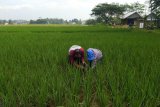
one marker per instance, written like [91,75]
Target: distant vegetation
[55,21]
[42,21]
[111,14]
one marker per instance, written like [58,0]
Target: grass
[34,69]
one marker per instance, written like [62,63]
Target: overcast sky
[66,9]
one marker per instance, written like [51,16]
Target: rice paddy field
[34,69]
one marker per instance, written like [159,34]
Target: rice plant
[34,69]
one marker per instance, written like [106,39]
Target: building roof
[131,15]
[151,16]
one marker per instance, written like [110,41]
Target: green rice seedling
[34,69]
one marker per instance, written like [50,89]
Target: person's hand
[84,64]
[93,67]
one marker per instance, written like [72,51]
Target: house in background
[6,23]
[132,18]
[152,20]
[158,23]
[151,17]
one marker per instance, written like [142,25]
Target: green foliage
[154,4]
[34,69]
[107,11]
[55,21]
[110,13]
[91,22]
[136,6]
[47,21]
[155,7]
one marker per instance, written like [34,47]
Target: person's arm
[94,64]
[82,58]
[90,64]
[82,50]
[78,65]
[71,57]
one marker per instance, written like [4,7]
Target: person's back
[74,47]
[94,55]
[97,52]
[76,55]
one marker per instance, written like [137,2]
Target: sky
[66,9]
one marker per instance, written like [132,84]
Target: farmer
[94,56]
[76,57]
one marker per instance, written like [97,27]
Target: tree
[155,4]
[10,22]
[106,11]
[48,21]
[90,22]
[139,8]
[3,21]
[155,7]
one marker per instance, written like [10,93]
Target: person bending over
[94,56]
[76,57]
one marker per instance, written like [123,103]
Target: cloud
[32,9]
[15,7]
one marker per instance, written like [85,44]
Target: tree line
[43,21]
[55,21]
[14,22]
